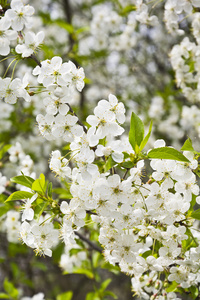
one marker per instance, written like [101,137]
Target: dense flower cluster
[147,225]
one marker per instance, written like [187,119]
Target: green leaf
[9,288]
[194,291]
[4,296]
[68,27]
[146,253]
[63,193]
[86,272]
[172,287]
[196,214]
[197,172]
[92,296]
[136,133]
[145,140]
[109,164]
[39,184]
[65,296]
[49,190]
[167,153]
[2,198]
[4,209]
[127,9]
[192,204]
[128,164]
[109,293]
[23,180]
[189,242]
[3,150]
[105,284]
[83,29]
[40,265]
[19,195]
[187,146]
[39,208]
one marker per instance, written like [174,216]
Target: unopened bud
[157,285]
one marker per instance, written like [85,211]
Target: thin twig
[35,59]
[79,122]
[91,244]
[125,173]
[7,193]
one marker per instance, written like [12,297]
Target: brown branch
[91,244]
[79,122]
[68,13]
[7,193]
[125,173]
[35,59]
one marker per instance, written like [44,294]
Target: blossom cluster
[146,224]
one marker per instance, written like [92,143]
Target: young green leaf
[194,291]
[136,133]
[145,140]
[65,296]
[4,209]
[167,153]
[49,190]
[19,195]
[63,193]
[187,146]
[4,296]
[172,287]
[10,289]
[39,208]
[23,180]
[196,214]
[105,284]
[39,184]
[3,149]
[109,164]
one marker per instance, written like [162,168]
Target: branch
[68,13]
[91,244]
[35,59]
[7,193]
[79,122]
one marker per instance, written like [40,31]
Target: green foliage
[65,296]
[101,293]
[4,3]
[194,291]
[4,208]
[3,149]
[126,10]
[172,287]
[4,296]
[145,140]
[84,271]
[39,208]
[11,291]
[190,242]
[23,180]
[39,184]
[196,214]
[136,133]
[167,153]
[49,190]
[19,195]
[187,146]
[109,164]
[62,193]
